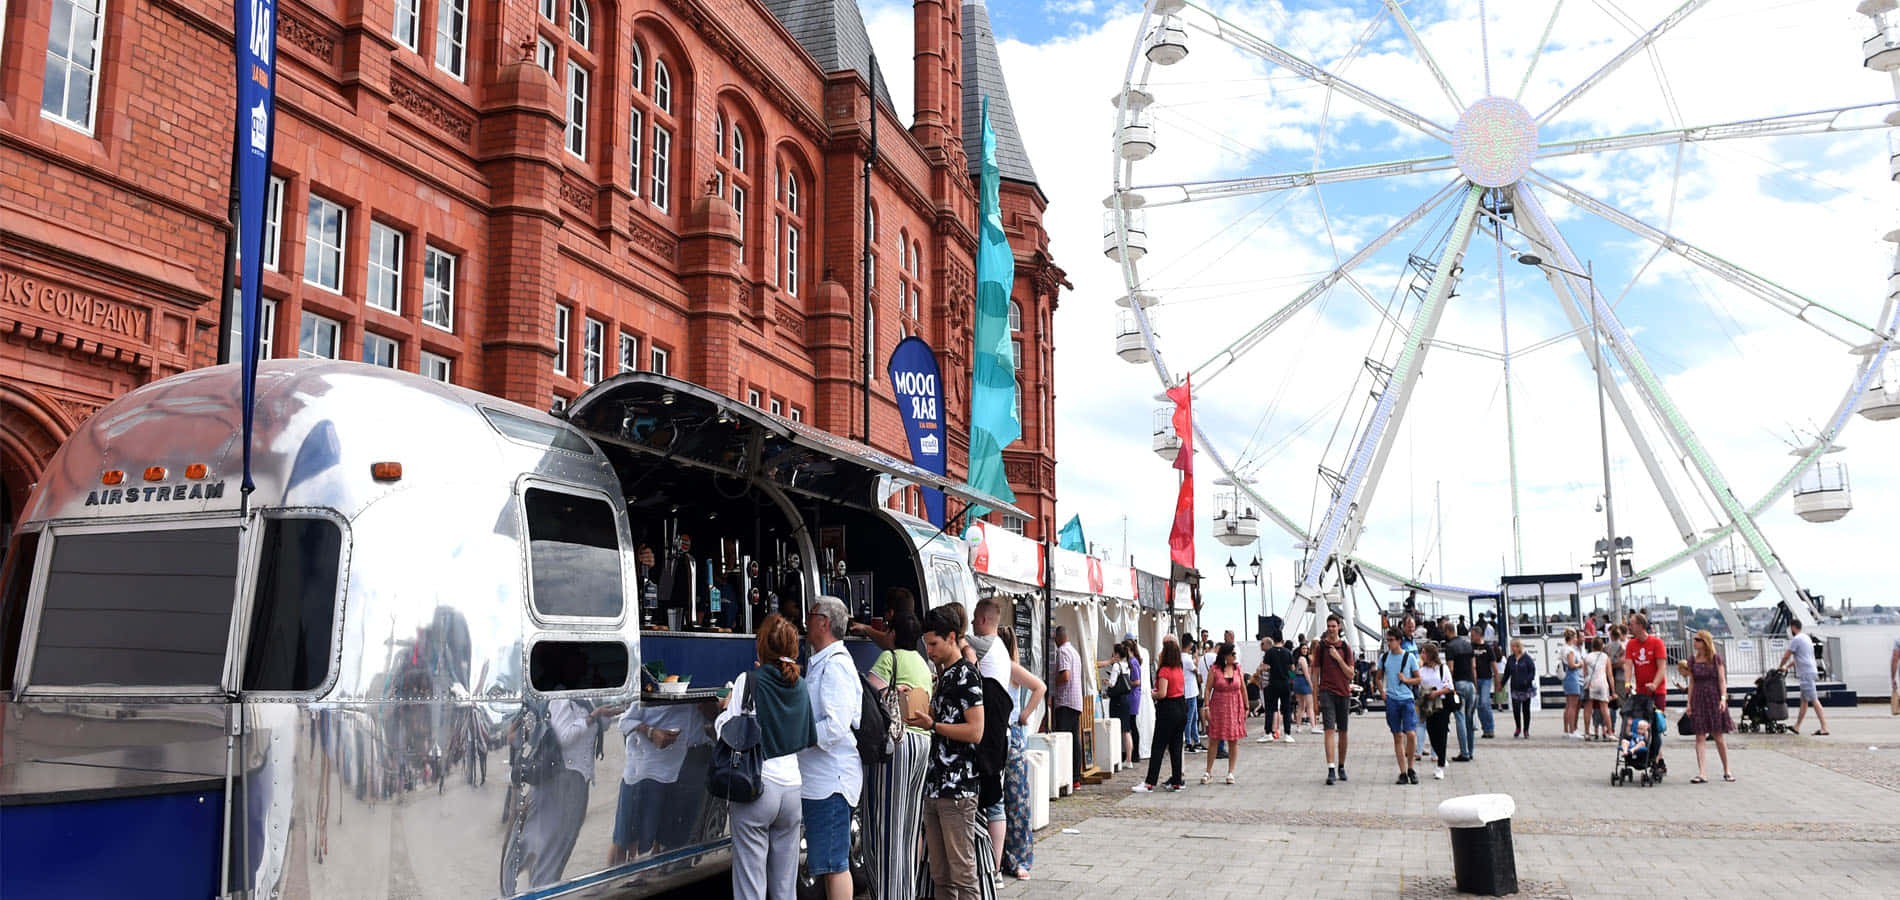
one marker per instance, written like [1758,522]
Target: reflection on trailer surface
[348,691]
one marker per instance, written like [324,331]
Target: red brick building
[521,196]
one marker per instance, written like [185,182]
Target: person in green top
[893,808]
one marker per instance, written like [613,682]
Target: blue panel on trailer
[160,846]
[714,659]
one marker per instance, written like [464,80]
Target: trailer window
[19,574]
[577,665]
[294,607]
[573,555]
[139,609]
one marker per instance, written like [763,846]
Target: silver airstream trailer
[392,669]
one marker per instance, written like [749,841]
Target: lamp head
[1528,259]
[1231,568]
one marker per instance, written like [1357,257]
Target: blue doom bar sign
[919,388]
[256,33]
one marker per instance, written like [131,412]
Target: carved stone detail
[790,321]
[416,100]
[78,410]
[308,38]
[577,195]
[654,242]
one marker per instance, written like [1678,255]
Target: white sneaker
[1288,739]
[1439,775]
[1142,787]
[1264,740]
[1313,730]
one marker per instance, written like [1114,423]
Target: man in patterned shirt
[955,722]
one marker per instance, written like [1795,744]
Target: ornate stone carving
[790,321]
[1019,471]
[78,410]
[308,38]
[416,100]
[645,237]
[577,195]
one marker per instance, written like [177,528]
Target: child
[1636,745]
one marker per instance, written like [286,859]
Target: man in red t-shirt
[1643,660]
[1334,695]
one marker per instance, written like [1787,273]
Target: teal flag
[993,417]
[1070,537]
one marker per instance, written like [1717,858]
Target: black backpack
[992,752]
[877,739]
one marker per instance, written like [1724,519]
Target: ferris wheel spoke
[1160,195]
[1242,39]
[1639,46]
[1824,121]
[1221,361]
[1650,388]
[1821,318]
[1352,499]
[1424,55]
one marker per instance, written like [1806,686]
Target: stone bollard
[1481,854]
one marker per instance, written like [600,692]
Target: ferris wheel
[1307,209]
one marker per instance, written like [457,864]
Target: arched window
[651,130]
[729,171]
[903,251]
[662,87]
[578,17]
[1015,316]
[790,223]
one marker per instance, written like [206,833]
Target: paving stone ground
[1817,815]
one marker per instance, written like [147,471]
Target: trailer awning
[684,422]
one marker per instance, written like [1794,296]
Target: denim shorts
[995,813]
[1401,715]
[827,835]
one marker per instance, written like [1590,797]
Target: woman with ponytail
[765,832]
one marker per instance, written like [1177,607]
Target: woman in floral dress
[1226,709]
[1708,705]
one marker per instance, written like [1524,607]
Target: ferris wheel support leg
[1619,400]
[1351,502]
[1650,387]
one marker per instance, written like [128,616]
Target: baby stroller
[1766,708]
[1647,763]
[1362,688]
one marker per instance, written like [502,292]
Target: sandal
[1698,780]
[1728,778]
[1207,778]
[1230,778]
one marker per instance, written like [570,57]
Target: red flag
[1181,538]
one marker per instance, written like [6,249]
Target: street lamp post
[1232,571]
[1603,423]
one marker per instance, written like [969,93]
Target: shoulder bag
[735,773]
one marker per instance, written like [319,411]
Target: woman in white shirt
[765,831]
[1596,688]
[1434,681]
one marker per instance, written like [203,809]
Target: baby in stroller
[1640,750]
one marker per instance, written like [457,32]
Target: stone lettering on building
[18,290]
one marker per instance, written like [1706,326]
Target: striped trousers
[893,819]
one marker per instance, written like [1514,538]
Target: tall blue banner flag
[256,36]
[919,386]
[993,416]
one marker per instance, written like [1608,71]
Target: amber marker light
[112,477]
[155,473]
[195,471]
[386,471]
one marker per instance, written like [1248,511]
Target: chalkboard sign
[1025,626]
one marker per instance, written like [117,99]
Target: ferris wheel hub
[1495,142]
